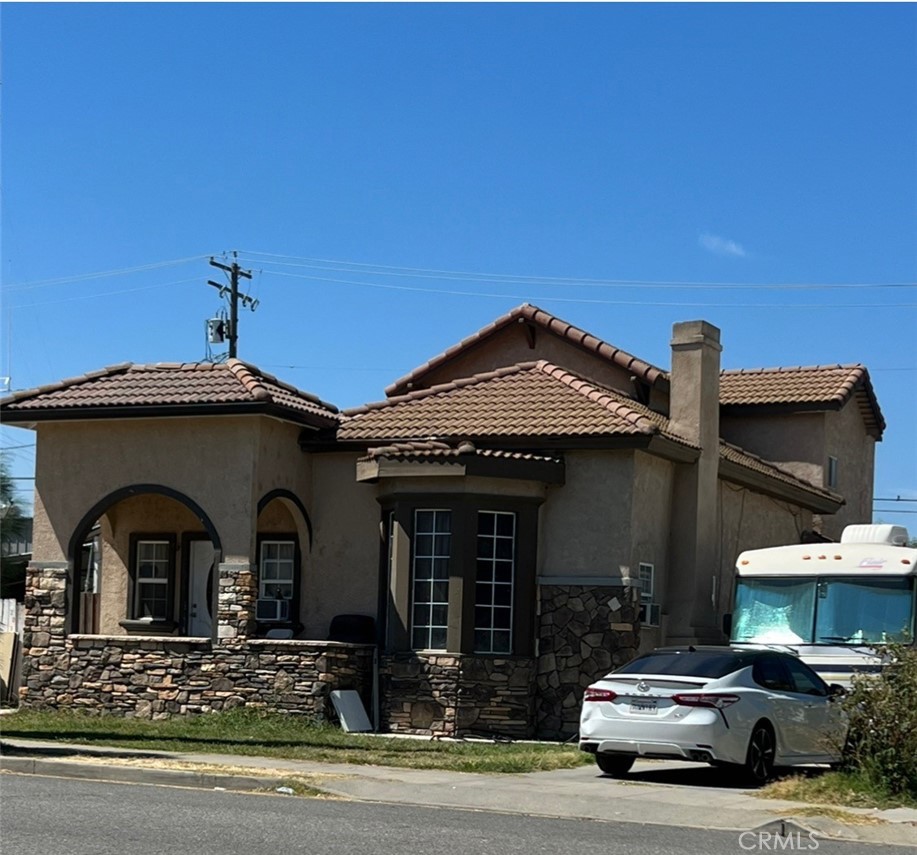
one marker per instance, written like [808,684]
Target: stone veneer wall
[583,631]
[448,694]
[161,676]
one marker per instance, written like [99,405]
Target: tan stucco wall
[795,441]
[342,575]
[281,465]
[585,526]
[651,523]
[802,443]
[845,439]
[211,461]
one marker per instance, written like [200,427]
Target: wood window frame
[133,622]
[396,568]
[292,622]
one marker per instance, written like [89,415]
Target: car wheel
[616,765]
[762,749]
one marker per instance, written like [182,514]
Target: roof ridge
[249,370]
[614,402]
[781,369]
[558,326]
[249,379]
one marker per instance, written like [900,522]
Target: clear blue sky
[721,144]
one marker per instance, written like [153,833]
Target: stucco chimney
[694,397]
[694,410]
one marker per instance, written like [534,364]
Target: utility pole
[235,296]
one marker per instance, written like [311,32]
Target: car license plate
[643,707]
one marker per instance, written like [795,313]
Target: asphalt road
[53,816]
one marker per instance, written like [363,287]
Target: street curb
[136,775]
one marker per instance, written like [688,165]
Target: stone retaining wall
[161,676]
[154,677]
[457,695]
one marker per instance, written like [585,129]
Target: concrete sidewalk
[688,795]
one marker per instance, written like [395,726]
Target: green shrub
[882,743]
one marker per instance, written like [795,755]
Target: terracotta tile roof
[531,399]
[752,462]
[423,450]
[532,314]
[180,385]
[828,385]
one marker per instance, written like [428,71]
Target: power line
[552,298]
[896,499]
[104,294]
[80,277]
[433,273]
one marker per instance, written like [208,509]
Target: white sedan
[754,709]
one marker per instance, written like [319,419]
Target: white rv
[829,603]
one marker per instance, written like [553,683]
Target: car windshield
[829,610]
[686,663]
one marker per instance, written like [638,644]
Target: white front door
[200,568]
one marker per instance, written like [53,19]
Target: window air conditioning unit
[649,614]
[273,610]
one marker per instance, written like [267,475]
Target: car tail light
[716,701]
[598,695]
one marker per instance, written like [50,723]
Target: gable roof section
[532,400]
[814,387]
[532,314]
[169,389]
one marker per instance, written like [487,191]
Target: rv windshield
[824,611]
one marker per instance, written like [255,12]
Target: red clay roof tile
[531,399]
[559,327]
[830,385]
[169,384]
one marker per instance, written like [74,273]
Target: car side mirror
[836,690]
[727,625]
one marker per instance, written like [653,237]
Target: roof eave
[31,418]
[544,471]
[814,500]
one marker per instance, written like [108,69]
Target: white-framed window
[430,579]
[495,574]
[832,472]
[649,608]
[276,572]
[152,587]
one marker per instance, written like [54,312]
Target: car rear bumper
[653,750]
[705,739]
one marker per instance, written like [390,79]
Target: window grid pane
[496,558]
[275,577]
[152,589]
[430,579]
[647,574]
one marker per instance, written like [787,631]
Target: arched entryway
[143,561]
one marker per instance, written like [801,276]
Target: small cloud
[721,246]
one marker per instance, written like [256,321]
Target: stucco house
[518,514]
